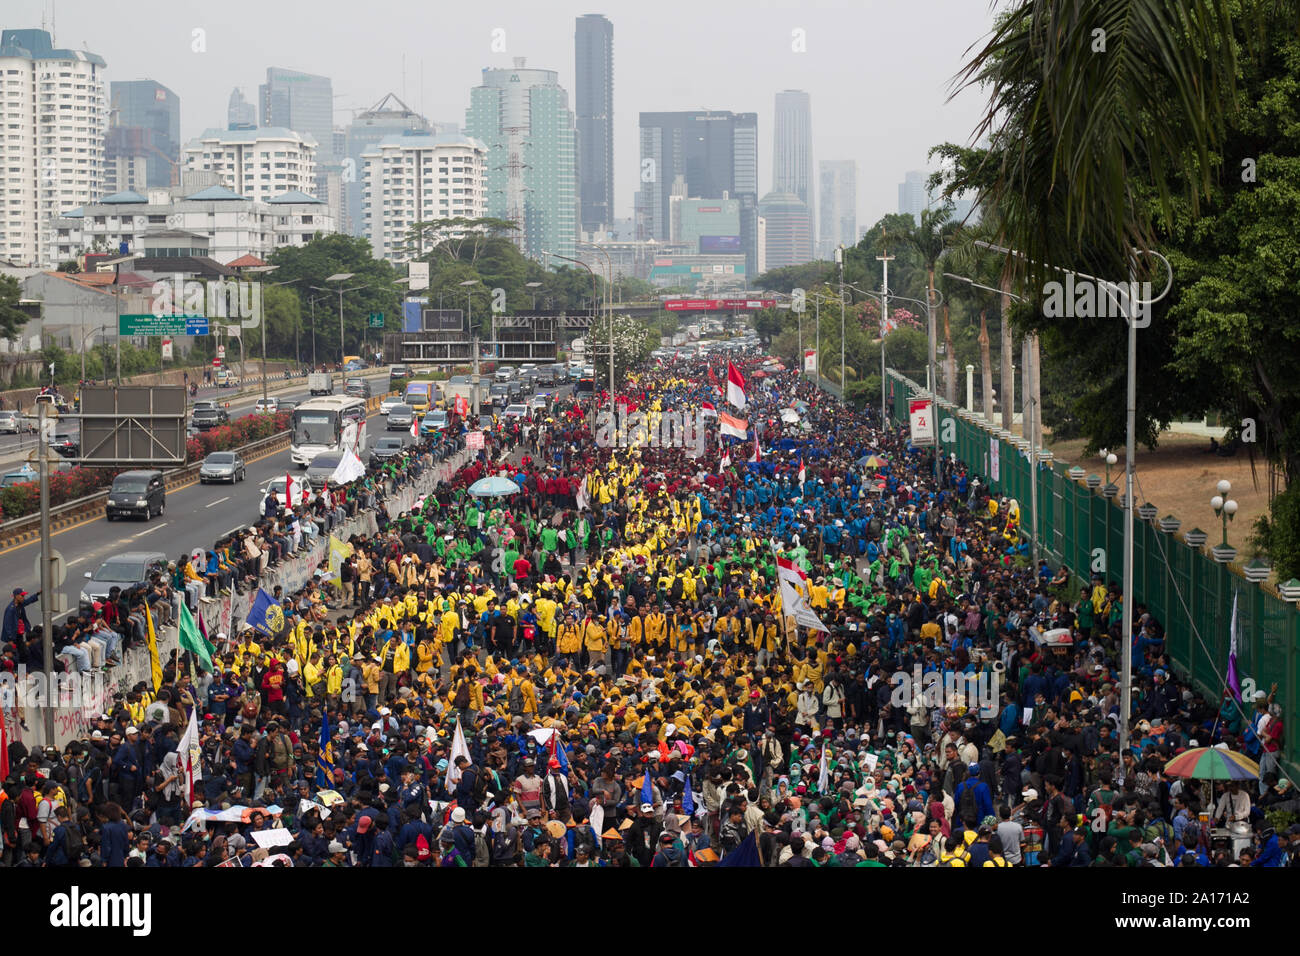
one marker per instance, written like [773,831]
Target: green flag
[192,641]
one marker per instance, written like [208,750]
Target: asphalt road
[195,516]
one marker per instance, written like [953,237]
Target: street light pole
[844,387]
[47,584]
[884,258]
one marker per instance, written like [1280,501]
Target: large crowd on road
[599,670]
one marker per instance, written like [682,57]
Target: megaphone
[999,667]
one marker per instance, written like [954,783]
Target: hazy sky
[879,71]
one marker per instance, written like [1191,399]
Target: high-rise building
[390,116]
[240,114]
[258,164]
[523,117]
[144,135]
[52,149]
[913,198]
[714,152]
[792,148]
[417,177]
[788,237]
[837,190]
[593,99]
[302,102]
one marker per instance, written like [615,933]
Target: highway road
[15,449]
[195,516]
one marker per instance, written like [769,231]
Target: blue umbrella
[494,486]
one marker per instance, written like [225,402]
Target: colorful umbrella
[1212,763]
[872,461]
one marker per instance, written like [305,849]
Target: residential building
[258,164]
[523,117]
[593,97]
[417,177]
[389,117]
[228,225]
[52,151]
[837,191]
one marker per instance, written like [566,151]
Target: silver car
[400,416]
[222,466]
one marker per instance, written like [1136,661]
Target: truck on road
[320,383]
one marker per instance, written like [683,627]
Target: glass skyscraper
[523,117]
[593,97]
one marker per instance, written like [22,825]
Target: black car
[207,418]
[141,493]
[386,448]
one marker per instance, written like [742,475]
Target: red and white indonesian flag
[708,411]
[735,386]
[415,427]
[735,427]
[726,461]
[189,755]
[758,452]
[794,595]
[803,474]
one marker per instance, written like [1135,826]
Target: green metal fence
[1185,588]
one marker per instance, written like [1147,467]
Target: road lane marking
[217,502]
[157,527]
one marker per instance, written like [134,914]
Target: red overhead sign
[677,305]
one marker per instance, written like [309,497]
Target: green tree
[12,318]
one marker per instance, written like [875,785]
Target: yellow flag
[154,664]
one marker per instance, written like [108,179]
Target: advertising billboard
[720,244]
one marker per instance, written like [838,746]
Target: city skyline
[803,49]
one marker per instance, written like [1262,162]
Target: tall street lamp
[468,286]
[1224,508]
[261,319]
[534,286]
[340,278]
[883,299]
[594,299]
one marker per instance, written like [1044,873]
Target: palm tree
[1087,97]
[930,238]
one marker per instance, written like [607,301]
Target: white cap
[458,815]
[132,730]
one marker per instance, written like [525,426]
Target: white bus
[327,423]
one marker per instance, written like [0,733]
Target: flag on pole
[707,410]
[758,452]
[688,798]
[155,665]
[582,496]
[803,474]
[458,749]
[288,490]
[823,772]
[189,753]
[415,427]
[713,379]
[556,747]
[735,386]
[4,747]
[325,757]
[794,595]
[726,460]
[647,786]
[192,641]
[735,427]
[1234,679]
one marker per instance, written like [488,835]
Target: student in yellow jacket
[569,640]
[594,639]
[656,624]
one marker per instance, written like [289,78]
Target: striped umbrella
[1212,763]
[873,461]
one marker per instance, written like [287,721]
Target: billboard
[133,425]
[921,421]
[720,244]
[442,320]
[678,305]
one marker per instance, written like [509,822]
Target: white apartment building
[55,113]
[415,178]
[233,225]
[258,164]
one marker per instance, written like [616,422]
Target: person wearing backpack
[973,799]
[65,846]
[996,859]
[954,852]
[670,854]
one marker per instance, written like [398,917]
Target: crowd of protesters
[598,670]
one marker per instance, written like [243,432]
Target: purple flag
[1234,679]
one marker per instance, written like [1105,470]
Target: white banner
[418,272]
[166,348]
[922,421]
[994,467]
[810,360]
[474,440]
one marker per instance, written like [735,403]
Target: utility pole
[47,592]
[885,258]
[844,387]
[475,379]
